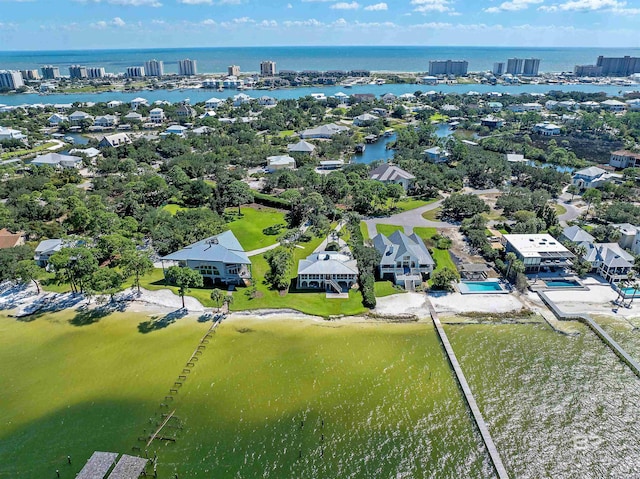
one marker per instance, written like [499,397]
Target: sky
[89,24]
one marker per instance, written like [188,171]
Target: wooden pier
[468,395]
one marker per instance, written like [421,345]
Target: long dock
[595,327]
[468,395]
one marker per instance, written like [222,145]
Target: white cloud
[196,2]
[423,6]
[345,6]
[289,5]
[115,22]
[612,6]
[377,7]
[118,22]
[312,22]
[127,3]
[512,6]
[209,22]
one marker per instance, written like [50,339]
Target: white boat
[69,139]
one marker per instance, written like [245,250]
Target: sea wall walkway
[468,395]
[595,327]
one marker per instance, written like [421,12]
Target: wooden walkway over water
[468,395]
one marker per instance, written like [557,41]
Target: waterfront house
[57,118]
[45,250]
[389,98]
[267,101]
[593,177]
[57,160]
[319,97]
[156,115]
[10,240]
[538,252]
[329,271]
[241,99]
[405,259]
[589,105]
[219,259]
[436,154]
[633,105]
[324,131]
[624,159]
[106,121]
[387,173]
[303,147]
[576,235]
[524,107]
[11,134]
[492,122]
[615,106]
[546,129]
[213,103]
[629,237]
[495,106]
[137,102]
[365,119]
[331,164]
[88,152]
[62,107]
[115,140]
[185,111]
[608,260]
[77,118]
[280,162]
[114,104]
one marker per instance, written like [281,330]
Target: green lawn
[438,117]
[426,233]
[386,288]
[388,230]
[364,230]
[442,259]
[13,154]
[432,215]
[286,133]
[559,209]
[294,398]
[412,203]
[248,228]
[173,209]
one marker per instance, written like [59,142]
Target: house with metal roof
[220,259]
[115,140]
[575,234]
[365,119]
[280,162]
[77,117]
[592,177]
[387,173]
[324,131]
[57,160]
[405,259]
[301,147]
[608,260]
[329,271]
[45,249]
[436,154]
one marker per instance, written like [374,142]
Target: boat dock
[468,395]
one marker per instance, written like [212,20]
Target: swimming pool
[562,283]
[631,292]
[481,287]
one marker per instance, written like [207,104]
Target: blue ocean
[374,58]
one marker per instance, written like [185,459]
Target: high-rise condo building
[96,72]
[233,70]
[29,75]
[514,66]
[621,66]
[77,72]
[498,68]
[448,67]
[187,67]
[587,71]
[154,68]
[531,67]
[10,80]
[268,69]
[135,72]
[49,72]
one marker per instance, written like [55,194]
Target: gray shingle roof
[576,234]
[611,254]
[302,147]
[223,248]
[398,245]
[389,172]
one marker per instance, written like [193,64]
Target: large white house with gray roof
[324,131]
[329,271]
[387,173]
[405,259]
[220,259]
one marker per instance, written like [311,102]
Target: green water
[297,399]
[557,406]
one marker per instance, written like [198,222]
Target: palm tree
[510,257]
[228,301]
[217,296]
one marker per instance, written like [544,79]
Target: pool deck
[463,288]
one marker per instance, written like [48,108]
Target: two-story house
[405,259]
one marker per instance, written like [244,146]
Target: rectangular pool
[481,287]
[562,283]
[631,292]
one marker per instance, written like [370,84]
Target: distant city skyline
[104,24]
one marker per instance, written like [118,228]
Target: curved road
[413,218]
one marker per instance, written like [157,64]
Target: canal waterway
[200,95]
